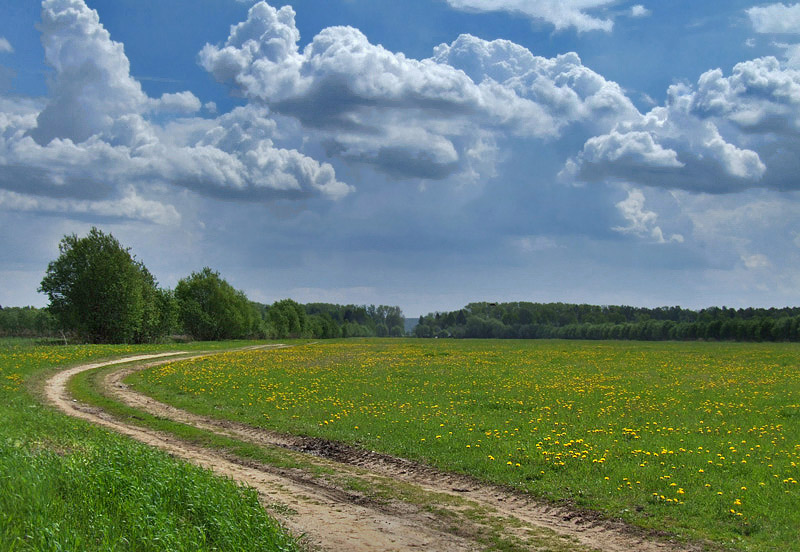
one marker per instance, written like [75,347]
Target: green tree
[98,290]
[288,319]
[210,309]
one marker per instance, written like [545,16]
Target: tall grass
[66,485]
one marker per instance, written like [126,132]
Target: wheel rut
[340,498]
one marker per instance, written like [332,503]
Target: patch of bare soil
[343,498]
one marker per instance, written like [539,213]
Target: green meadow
[700,440]
[66,485]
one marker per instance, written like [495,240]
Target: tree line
[100,293]
[522,320]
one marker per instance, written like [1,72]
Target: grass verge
[66,485]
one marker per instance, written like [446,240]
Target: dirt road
[339,498]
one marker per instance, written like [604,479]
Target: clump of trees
[568,321]
[287,318]
[27,322]
[211,309]
[100,293]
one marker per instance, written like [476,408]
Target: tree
[210,309]
[98,290]
[288,319]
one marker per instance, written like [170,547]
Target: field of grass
[701,440]
[65,485]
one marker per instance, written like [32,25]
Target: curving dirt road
[339,498]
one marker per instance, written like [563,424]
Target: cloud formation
[776,18]
[760,96]
[562,14]
[641,222]
[725,134]
[5,46]
[129,206]
[408,118]
[95,141]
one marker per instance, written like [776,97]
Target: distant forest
[568,321]
[280,320]
[287,318]
[100,293]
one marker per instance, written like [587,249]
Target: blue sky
[425,153]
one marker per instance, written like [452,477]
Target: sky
[424,153]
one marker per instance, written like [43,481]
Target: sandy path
[331,515]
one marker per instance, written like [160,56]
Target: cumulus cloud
[408,118]
[562,14]
[639,11]
[641,222]
[5,46]
[776,18]
[760,96]
[181,102]
[94,147]
[91,85]
[668,148]
[725,134]
[636,149]
[565,89]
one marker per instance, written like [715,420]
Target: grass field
[65,485]
[701,440]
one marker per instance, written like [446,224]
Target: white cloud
[641,222]
[532,244]
[130,206]
[791,54]
[562,14]
[755,261]
[639,11]
[760,96]
[727,133]
[633,148]
[669,149]
[562,86]
[776,18]
[409,118]
[181,102]
[93,147]
[5,46]
[92,84]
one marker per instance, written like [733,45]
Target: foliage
[288,319]
[65,485]
[27,322]
[700,439]
[326,320]
[566,321]
[98,290]
[210,309]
